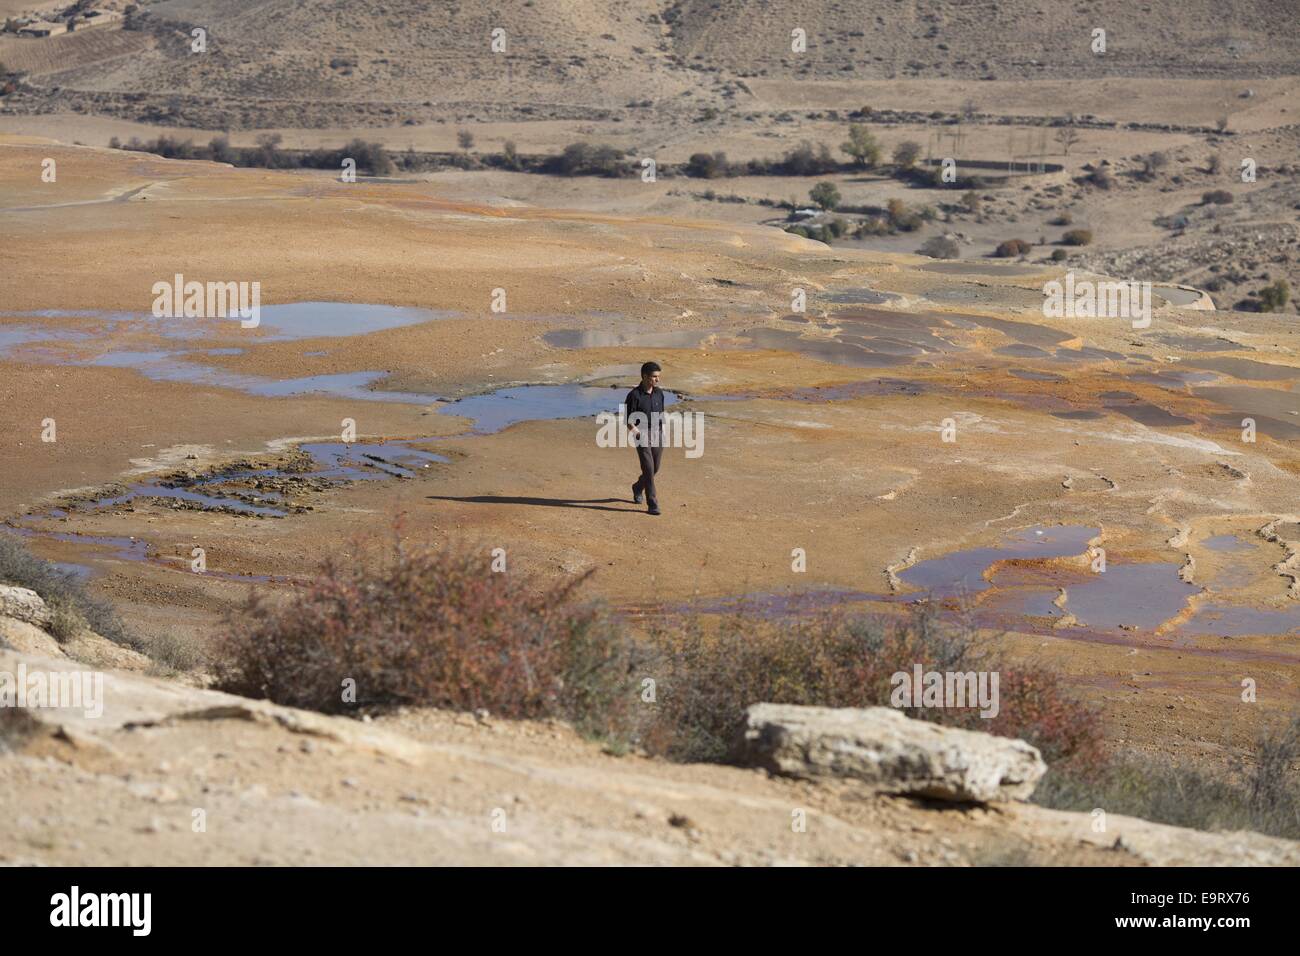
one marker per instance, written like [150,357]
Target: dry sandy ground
[173,775]
[13,8]
[1234,249]
[860,478]
[666,81]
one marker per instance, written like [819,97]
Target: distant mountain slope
[377,61]
[557,51]
[973,38]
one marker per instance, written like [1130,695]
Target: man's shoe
[653,511]
[636,495]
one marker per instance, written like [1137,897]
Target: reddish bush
[424,627]
[420,626]
[1012,248]
[711,671]
[1037,709]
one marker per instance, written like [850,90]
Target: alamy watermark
[82,690]
[1090,299]
[131,910]
[208,300]
[922,688]
[658,429]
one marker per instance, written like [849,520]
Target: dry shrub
[713,670]
[432,627]
[174,653]
[1039,709]
[73,605]
[1260,792]
[940,247]
[425,627]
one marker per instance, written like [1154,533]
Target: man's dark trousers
[649,458]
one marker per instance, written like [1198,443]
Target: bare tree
[1067,135]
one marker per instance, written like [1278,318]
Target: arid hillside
[985,39]
[401,59]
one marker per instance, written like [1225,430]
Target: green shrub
[1216,197]
[371,157]
[803,160]
[1077,237]
[1059,255]
[901,219]
[510,156]
[1274,297]
[584,159]
[862,146]
[708,165]
[825,195]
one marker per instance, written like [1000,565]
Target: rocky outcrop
[98,651]
[889,752]
[28,638]
[24,605]
[84,645]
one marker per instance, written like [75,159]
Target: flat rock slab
[24,604]
[890,752]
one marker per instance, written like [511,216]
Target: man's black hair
[649,368]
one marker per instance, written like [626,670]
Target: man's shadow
[586,504]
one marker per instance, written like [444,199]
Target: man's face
[650,381]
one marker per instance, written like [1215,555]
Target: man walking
[643,412]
